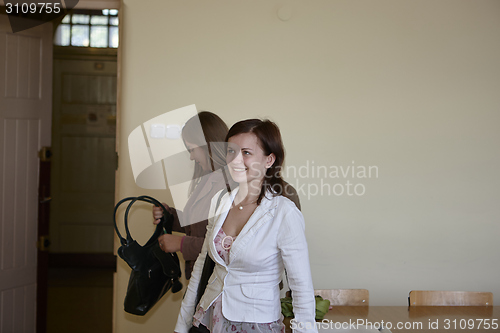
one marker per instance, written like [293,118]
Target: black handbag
[154,272]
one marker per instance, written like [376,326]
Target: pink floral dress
[220,324]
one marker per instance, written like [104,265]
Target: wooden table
[399,319]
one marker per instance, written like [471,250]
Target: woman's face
[197,154]
[246,160]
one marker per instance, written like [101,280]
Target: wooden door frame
[98,4]
[43,254]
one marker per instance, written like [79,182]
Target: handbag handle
[162,225]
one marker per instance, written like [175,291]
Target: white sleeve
[293,245]
[185,318]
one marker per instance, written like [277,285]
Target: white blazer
[271,240]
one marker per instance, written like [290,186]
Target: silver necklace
[240,206]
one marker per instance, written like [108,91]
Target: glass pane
[80,35]
[113,20]
[80,18]
[99,20]
[113,37]
[113,12]
[99,36]
[105,11]
[62,35]
[66,19]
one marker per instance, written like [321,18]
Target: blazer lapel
[220,215]
[262,214]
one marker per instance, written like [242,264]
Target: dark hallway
[80,300]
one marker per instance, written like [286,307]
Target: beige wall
[411,87]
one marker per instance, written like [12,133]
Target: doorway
[83,164]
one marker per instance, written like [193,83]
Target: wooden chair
[449,298]
[345,297]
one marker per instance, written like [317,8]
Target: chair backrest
[450,298]
[345,297]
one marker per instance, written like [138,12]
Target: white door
[25,120]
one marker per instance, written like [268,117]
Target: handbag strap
[165,223]
[208,265]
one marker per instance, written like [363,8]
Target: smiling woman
[255,234]
[260,160]
[247,161]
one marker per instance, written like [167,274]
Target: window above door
[89,28]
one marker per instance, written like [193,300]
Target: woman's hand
[170,243]
[158,212]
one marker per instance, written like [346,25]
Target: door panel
[17,314]
[23,66]
[84,159]
[20,203]
[25,113]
